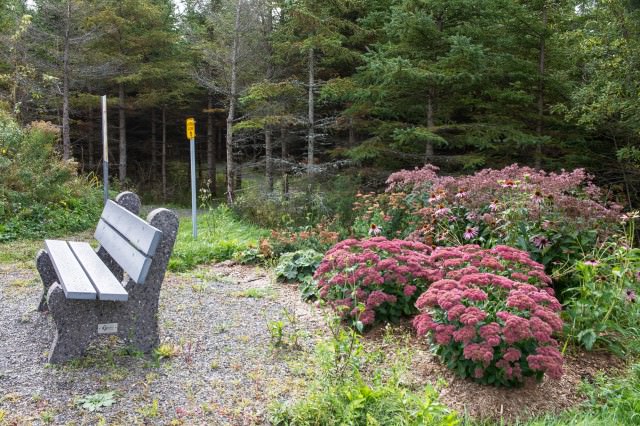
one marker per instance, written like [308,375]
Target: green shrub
[604,309]
[40,194]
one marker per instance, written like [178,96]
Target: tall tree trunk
[232,104]
[66,138]
[220,142]
[211,149]
[154,143]
[268,158]
[284,146]
[164,153]
[428,153]
[352,133]
[311,132]
[541,64]
[90,139]
[123,134]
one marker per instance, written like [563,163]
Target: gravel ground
[222,367]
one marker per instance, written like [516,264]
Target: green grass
[220,236]
[23,252]
[610,401]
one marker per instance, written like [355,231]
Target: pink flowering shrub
[375,279]
[552,216]
[492,316]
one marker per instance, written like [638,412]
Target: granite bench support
[134,320]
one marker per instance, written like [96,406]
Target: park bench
[113,290]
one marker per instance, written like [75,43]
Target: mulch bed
[224,369]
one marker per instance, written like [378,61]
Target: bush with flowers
[492,316]
[375,279]
[554,216]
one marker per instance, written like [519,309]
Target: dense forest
[308,87]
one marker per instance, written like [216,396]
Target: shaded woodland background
[310,89]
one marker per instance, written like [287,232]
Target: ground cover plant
[374,279]
[493,316]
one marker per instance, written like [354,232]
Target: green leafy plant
[341,391]
[604,309]
[298,266]
[97,401]
[286,332]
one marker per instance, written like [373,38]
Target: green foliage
[97,401]
[298,266]
[603,311]
[342,391]
[39,193]
[220,236]
[286,332]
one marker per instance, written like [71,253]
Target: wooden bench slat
[105,283]
[139,233]
[127,256]
[74,281]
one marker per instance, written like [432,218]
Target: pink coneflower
[442,211]
[508,183]
[591,262]
[540,241]
[631,296]
[629,216]
[461,193]
[374,230]
[537,197]
[494,205]
[470,232]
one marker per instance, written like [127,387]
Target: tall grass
[220,235]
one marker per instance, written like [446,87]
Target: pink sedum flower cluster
[492,316]
[375,279]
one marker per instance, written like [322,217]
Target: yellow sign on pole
[191,128]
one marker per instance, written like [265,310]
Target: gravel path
[221,369]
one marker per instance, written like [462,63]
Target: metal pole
[194,220]
[105,150]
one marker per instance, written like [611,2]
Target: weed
[151,411]
[255,293]
[47,416]
[166,351]
[96,401]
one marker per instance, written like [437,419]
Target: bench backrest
[128,239]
